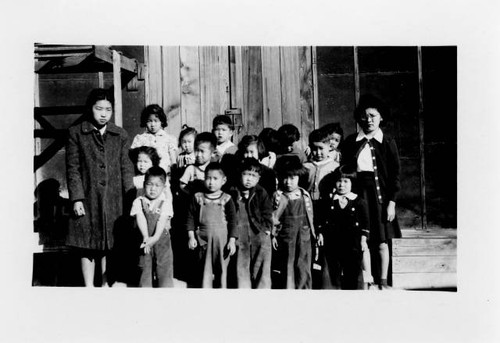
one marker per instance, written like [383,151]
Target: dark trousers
[342,268]
[254,261]
[159,263]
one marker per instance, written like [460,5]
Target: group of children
[213,214]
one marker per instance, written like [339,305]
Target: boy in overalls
[152,212]
[211,225]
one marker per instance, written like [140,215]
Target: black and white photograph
[275,172]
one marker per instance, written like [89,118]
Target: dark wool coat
[99,173]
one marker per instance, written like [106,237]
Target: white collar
[320,163]
[379,135]
[350,196]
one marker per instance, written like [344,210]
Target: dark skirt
[381,230]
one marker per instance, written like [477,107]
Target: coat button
[102,183]
[357,224]
[102,166]
[101,149]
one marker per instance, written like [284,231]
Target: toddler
[152,214]
[222,128]
[192,179]
[154,120]
[294,230]
[211,226]
[336,134]
[255,222]
[289,136]
[186,143]
[343,233]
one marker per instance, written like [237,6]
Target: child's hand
[364,245]
[307,151]
[320,240]
[192,243]
[78,209]
[231,246]
[275,243]
[391,211]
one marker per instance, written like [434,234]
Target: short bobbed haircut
[370,101]
[289,134]
[270,139]
[187,130]
[148,150]
[248,140]
[345,172]
[96,95]
[156,110]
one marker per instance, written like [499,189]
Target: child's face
[187,143]
[214,180]
[203,153]
[153,187]
[144,163]
[223,133]
[251,151]
[319,150]
[335,141]
[343,186]
[291,183]
[101,112]
[249,179]
[153,124]
[370,121]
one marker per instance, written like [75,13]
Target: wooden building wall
[271,85]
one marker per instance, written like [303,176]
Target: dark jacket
[260,209]
[99,173]
[388,165]
[344,226]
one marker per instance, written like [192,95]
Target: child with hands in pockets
[211,226]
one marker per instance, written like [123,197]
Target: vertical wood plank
[236,85]
[271,87]
[117,86]
[306,93]
[153,76]
[356,75]
[421,138]
[214,83]
[190,87]
[253,93]
[172,88]
[290,86]
[315,87]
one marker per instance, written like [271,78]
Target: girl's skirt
[381,230]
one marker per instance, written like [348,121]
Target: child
[186,143]
[269,138]
[154,120]
[255,222]
[293,216]
[152,214]
[144,157]
[343,233]
[222,128]
[375,157]
[192,179]
[336,134]
[251,146]
[320,164]
[289,136]
[211,225]
[99,176]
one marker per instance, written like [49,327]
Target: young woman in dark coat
[99,174]
[374,155]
